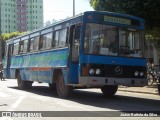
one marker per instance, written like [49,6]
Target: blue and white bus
[93,49]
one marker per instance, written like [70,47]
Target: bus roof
[114,14]
[76,16]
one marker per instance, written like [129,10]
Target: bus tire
[52,86]
[29,84]
[109,90]
[63,91]
[23,84]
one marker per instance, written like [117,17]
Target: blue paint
[113,60]
[51,59]
[73,73]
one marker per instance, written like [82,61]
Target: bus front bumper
[101,81]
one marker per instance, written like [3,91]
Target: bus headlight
[141,74]
[91,71]
[136,73]
[98,71]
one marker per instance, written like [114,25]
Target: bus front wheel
[23,84]
[109,90]
[63,90]
[52,86]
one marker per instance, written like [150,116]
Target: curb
[138,91]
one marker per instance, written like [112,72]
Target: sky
[61,9]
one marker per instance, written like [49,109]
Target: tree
[6,36]
[54,21]
[48,23]
[149,10]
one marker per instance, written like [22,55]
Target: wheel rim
[19,81]
[61,84]
[63,91]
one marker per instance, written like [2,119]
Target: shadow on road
[118,102]
[3,104]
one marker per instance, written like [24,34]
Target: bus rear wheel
[23,84]
[63,91]
[109,90]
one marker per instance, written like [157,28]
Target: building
[21,15]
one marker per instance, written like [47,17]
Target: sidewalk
[146,89]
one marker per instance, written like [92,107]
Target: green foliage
[146,9]
[6,36]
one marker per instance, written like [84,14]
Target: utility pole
[0,35]
[73,7]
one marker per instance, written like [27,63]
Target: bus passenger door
[74,39]
[8,60]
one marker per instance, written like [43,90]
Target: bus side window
[31,45]
[67,37]
[15,48]
[21,46]
[25,46]
[45,41]
[34,44]
[63,37]
[60,38]
[41,42]
[56,38]
[6,51]
[9,51]
[53,40]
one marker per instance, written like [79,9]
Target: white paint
[15,105]
[6,118]
[3,95]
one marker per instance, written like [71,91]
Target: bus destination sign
[117,20]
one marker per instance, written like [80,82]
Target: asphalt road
[83,101]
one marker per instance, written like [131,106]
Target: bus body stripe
[40,69]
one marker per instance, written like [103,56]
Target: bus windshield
[112,40]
